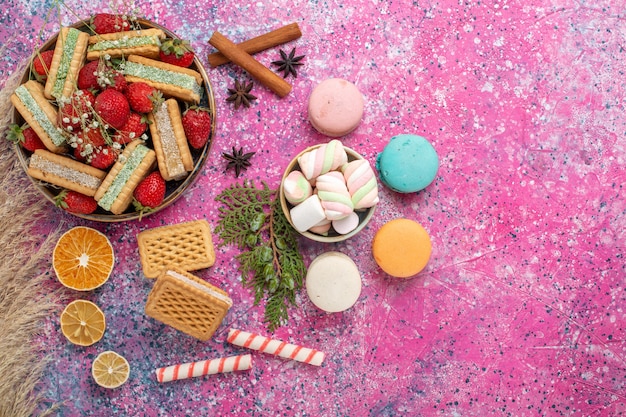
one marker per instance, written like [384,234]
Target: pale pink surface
[521,309]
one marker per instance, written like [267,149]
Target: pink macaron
[335,107]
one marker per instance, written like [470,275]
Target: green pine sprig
[270,263]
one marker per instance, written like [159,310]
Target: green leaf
[257,222]
[269,260]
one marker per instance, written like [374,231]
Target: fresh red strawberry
[103,157]
[176,52]
[197,126]
[87,142]
[143,97]
[98,75]
[91,136]
[42,63]
[74,114]
[75,202]
[79,155]
[133,129]
[88,75]
[26,137]
[118,81]
[109,23]
[112,106]
[149,193]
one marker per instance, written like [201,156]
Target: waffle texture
[185,245]
[192,306]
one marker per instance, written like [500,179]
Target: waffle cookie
[186,245]
[172,80]
[145,42]
[68,59]
[40,114]
[133,165]
[65,172]
[170,143]
[187,303]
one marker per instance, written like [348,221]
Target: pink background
[521,309]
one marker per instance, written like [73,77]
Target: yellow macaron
[402,248]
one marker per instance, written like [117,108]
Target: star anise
[238,160]
[288,63]
[240,95]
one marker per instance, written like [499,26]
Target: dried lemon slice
[83,258]
[82,322]
[110,370]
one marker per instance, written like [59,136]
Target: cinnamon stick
[254,67]
[260,43]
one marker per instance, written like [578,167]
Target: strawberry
[143,98]
[117,81]
[88,140]
[149,193]
[133,129]
[109,23]
[176,52]
[26,137]
[42,63]
[88,76]
[98,75]
[112,106]
[75,202]
[79,155]
[103,157]
[74,114]
[197,126]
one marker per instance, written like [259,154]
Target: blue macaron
[408,163]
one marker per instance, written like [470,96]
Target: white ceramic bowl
[364,215]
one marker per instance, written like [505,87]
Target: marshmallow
[334,195]
[307,214]
[361,183]
[327,157]
[322,228]
[347,224]
[296,188]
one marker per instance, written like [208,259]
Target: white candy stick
[201,368]
[275,347]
